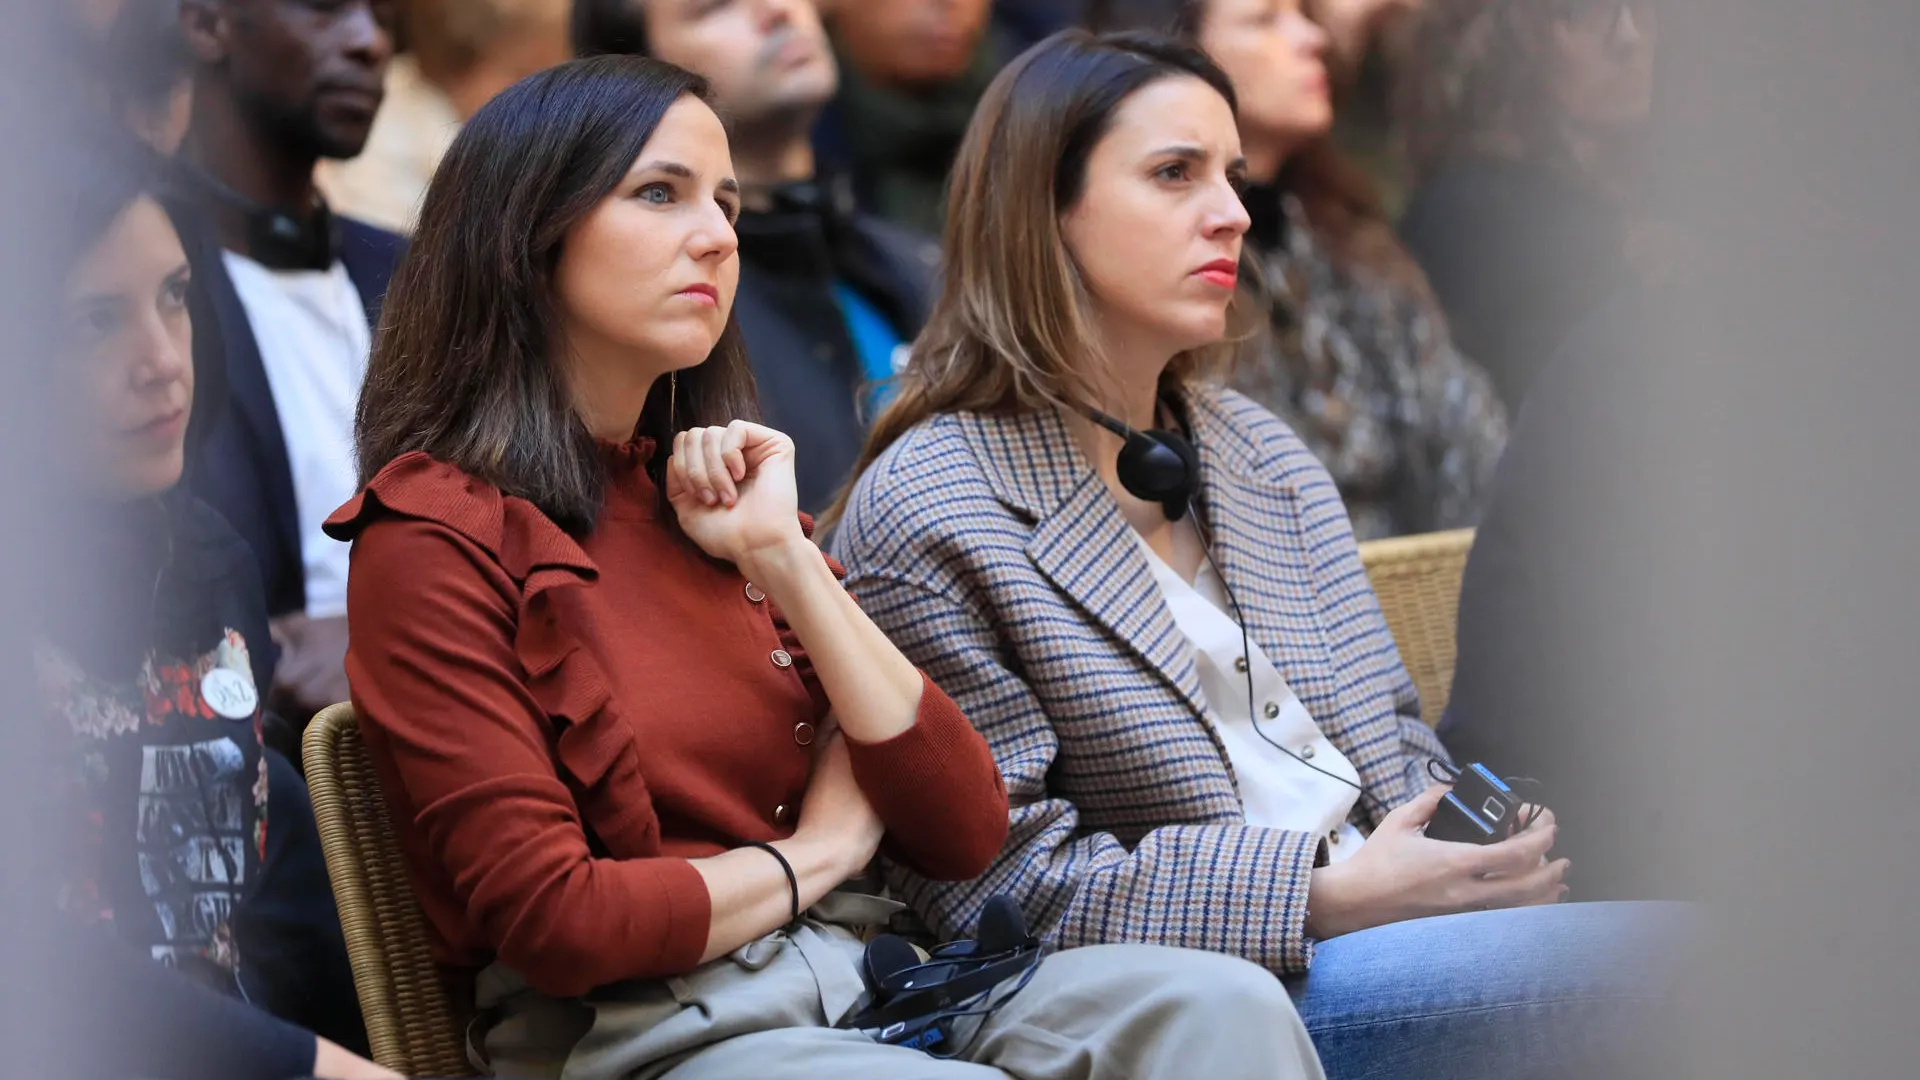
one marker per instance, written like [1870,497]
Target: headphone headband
[277,238]
[1108,422]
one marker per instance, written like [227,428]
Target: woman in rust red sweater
[635,735]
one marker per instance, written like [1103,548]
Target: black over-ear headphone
[1155,465]
[278,238]
[915,1003]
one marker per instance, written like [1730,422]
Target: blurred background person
[291,294]
[1525,126]
[910,74]
[1538,689]
[1366,48]
[1691,603]
[1027,21]
[1570,582]
[457,55]
[1354,27]
[143,63]
[829,295]
[196,849]
[1354,353]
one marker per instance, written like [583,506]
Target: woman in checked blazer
[1206,732]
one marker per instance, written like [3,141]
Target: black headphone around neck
[1162,466]
[829,194]
[278,238]
[1155,465]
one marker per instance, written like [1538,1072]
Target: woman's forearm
[334,1062]
[874,689]
[751,896]
[926,774]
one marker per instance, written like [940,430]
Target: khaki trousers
[766,1013]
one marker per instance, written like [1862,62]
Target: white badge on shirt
[230,693]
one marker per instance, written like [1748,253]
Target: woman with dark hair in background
[1143,589]
[1355,355]
[197,847]
[1526,123]
[635,736]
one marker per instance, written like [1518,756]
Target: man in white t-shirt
[289,294]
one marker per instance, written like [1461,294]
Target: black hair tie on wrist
[793,883]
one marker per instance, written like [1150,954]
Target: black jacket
[240,464]
[810,378]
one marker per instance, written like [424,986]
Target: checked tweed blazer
[996,559]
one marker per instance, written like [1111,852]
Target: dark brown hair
[1012,326]
[467,365]
[1341,202]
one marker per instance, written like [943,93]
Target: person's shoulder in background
[909,247]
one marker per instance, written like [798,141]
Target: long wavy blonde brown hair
[1012,328]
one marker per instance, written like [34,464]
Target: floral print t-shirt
[1368,377]
[172,782]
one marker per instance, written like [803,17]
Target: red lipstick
[1221,272]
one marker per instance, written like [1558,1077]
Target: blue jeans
[1568,990]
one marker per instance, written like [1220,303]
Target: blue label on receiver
[1498,784]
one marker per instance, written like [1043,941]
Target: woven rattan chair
[1417,579]
[413,1021]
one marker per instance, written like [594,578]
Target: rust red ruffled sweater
[561,726]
